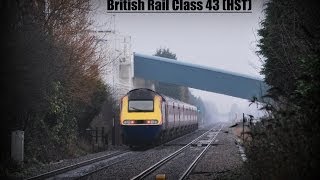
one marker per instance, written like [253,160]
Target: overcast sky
[223,41]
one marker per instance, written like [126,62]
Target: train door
[164,115]
[174,115]
[183,119]
[179,116]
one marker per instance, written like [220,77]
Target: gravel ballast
[135,165]
[43,168]
[221,161]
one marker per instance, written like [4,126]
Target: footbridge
[195,76]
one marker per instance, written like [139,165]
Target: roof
[166,98]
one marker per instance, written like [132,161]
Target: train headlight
[129,122]
[153,121]
[126,122]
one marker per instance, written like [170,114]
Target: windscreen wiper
[136,109]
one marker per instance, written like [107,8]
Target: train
[148,118]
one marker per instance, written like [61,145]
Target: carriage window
[140,105]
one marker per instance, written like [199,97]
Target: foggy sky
[223,41]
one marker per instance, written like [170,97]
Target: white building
[116,53]
[117,60]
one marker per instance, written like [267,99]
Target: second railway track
[168,163]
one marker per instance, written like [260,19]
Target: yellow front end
[141,118]
[140,127]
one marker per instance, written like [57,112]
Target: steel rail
[99,169]
[155,166]
[74,166]
[193,164]
[181,137]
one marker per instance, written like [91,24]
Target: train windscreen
[140,106]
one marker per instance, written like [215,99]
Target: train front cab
[140,120]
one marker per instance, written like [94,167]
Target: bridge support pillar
[141,83]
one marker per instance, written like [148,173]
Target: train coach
[147,117]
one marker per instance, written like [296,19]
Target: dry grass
[238,132]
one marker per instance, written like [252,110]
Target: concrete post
[243,121]
[17,145]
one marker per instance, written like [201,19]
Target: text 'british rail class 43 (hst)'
[179,5]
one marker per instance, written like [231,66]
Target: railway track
[194,163]
[147,172]
[104,167]
[122,164]
[65,169]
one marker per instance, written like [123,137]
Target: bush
[285,144]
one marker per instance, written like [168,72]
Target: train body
[147,117]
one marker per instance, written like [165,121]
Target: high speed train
[147,117]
